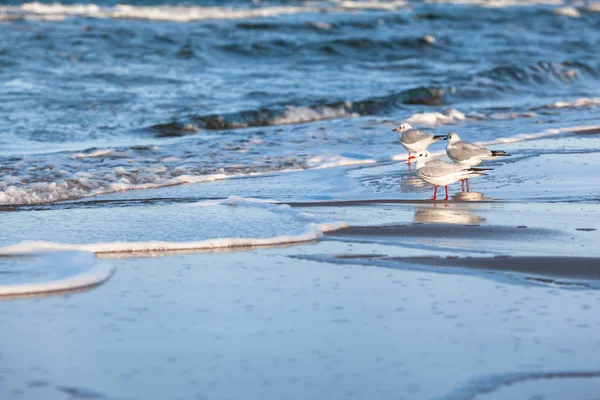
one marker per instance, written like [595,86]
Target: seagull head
[403,127]
[452,137]
[422,157]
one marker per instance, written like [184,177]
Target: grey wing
[436,168]
[414,136]
[465,150]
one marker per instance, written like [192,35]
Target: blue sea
[99,97]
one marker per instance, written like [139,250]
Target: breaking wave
[67,176]
[180,13]
[539,73]
[482,85]
[292,114]
[29,271]
[313,230]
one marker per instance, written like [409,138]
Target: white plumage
[415,140]
[466,153]
[440,173]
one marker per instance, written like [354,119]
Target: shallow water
[102,97]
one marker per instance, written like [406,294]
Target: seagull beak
[412,157]
[445,138]
[395,130]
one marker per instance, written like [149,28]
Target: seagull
[470,154]
[440,173]
[465,153]
[415,140]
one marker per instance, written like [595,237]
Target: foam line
[180,13]
[311,233]
[83,267]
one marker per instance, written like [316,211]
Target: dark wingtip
[499,153]
[440,137]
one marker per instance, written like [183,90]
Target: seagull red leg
[408,157]
[462,185]
[446,187]
[434,192]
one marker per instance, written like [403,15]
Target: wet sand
[491,295]
[265,324]
[569,267]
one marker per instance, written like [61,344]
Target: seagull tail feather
[480,169]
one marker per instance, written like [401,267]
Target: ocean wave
[65,176]
[481,85]
[568,11]
[278,116]
[433,119]
[38,271]
[583,102]
[356,46]
[61,185]
[182,12]
[312,231]
[300,114]
[505,77]
[499,3]
[265,204]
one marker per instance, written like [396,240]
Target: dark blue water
[160,92]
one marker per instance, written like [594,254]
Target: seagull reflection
[468,196]
[411,182]
[436,215]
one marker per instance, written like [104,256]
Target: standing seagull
[465,153]
[440,173]
[470,154]
[414,139]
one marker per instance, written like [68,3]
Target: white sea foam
[312,231]
[370,4]
[88,184]
[568,12]
[433,119]
[94,154]
[499,3]
[331,161]
[538,135]
[298,115]
[269,205]
[65,270]
[60,177]
[583,102]
[181,13]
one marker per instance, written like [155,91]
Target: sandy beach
[481,298]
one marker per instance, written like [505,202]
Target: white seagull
[465,153]
[470,154]
[415,140]
[440,173]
